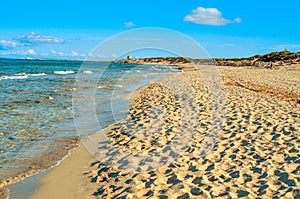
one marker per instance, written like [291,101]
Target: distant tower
[129,57]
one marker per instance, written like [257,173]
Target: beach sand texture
[256,154]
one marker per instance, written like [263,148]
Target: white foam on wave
[21,76]
[65,72]
[87,72]
[14,77]
[38,74]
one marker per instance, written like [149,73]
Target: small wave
[87,72]
[38,74]
[65,72]
[14,77]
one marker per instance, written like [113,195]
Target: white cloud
[5,45]
[129,24]
[56,53]
[33,38]
[31,52]
[62,54]
[238,20]
[74,53]
[207,16]
[92,56]
[19,52]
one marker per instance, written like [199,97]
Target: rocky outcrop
[270,60]
[266,61]
[157,60]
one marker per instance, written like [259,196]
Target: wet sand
[29,167]
[69,179]
[254,155]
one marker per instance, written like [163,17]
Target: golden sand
[256,154]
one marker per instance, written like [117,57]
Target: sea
[36,108]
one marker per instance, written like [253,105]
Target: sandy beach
[158,99]
[256,154]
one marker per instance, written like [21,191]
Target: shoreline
[76,165]
[17,179]
[54,158]
[68,164]
[74,168]
[30,171]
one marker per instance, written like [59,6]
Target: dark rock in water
[242,193]
[11,137]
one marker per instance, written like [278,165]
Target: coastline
[35,167]
[272,161]
[69,178]
[40,164]
[75,169]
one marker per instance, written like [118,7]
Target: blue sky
[64,29]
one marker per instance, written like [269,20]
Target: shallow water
[36,103]
[26,187]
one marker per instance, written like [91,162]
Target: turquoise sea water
[36,102]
